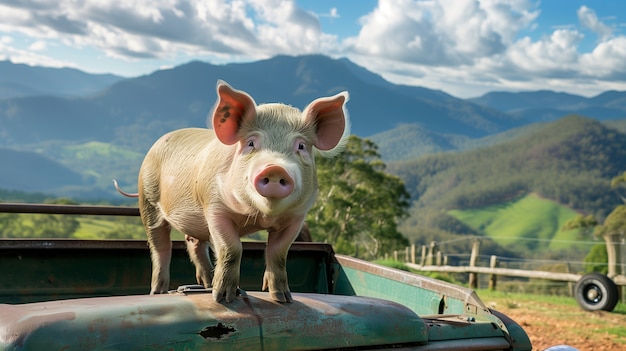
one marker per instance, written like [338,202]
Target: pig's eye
[251,144]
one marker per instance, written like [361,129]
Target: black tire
[596,292]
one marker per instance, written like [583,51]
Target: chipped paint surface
[181,322]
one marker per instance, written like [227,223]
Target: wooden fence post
[493,279]
[431,253]
[613,254]
[413,253]
[473,277]
[423,257]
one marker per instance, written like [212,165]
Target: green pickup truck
[91,295]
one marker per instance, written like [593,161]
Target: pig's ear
[331,119]
[232,107]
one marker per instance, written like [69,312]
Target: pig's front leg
[228,249]
[275,277]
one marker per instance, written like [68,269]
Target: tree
[613,231]
[582,222]
[358,203]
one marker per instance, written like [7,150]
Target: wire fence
[546,274]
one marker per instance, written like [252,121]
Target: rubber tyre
[596,292]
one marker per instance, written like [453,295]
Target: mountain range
[60,113]
[18,80]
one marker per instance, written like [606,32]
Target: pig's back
[178,142]
[176,153]
[168,173]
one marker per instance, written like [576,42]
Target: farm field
[558,320]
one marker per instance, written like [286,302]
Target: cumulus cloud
[470,47]
[463,47]
[607,61]
[443,32]
[588,19]
[157,29]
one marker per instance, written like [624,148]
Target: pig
[255,170]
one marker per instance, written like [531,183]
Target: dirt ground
[549,325]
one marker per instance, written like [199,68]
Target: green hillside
[513,223]
[570,162]
[97,161]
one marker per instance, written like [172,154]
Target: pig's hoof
[227,295]
[162,289]
[281,296]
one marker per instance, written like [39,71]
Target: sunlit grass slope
[517,221]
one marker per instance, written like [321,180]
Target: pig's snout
[274,182]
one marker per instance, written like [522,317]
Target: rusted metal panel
[424,295]
[196,322]
[40,270]
[432,299]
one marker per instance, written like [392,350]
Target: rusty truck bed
[92,295]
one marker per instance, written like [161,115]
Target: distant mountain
[136,111]
[32,172]
[544,105]
[410,141]
[570,161]
[19,80]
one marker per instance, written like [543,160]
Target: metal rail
[69,209]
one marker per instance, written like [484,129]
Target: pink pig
[255,170]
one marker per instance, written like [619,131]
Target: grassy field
[528,217]
[556,320]
[122,228]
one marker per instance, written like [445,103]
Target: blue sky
[463,47]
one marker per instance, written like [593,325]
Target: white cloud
[38,45]
[553,55]
[332,13]
[443,32]
[588,19]
[5,39]
[157,29]
[463,47]
[10,53]
[470,47]
[607,61]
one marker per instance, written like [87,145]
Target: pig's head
[273,170]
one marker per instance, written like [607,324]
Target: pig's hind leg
[158,234]
[161,254]
[199,254]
